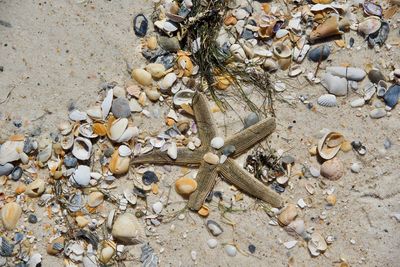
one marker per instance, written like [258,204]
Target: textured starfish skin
[229,170]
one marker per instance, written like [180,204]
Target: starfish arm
[185,157]
[206,179]
[244,181]
[205,122]
[248,137]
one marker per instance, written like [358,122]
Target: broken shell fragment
[353,74]
[81,176]
[217,142]
[167,81]
[185,186]
[317,244]
[36,188]
[281,50]
[328,28]
[392,96]
[334,84]
[332,169]
[64,127]
[329,145]
[95,113]
[95,199]
[10,151]
[182,97]
[370,25]
[82,148]
[127,229]
[118,164]
[10,214]
[288,214]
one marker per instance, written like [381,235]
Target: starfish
[208,173]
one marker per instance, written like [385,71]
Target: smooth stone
[319,53]
[212,243]
[185,186]
[156,70]
[252,248]
[359,102]
[157,207]
[392,96]
[231,250]
[314,172]
[45,154]
[120,108]
[169,44]
[217,142]
[152,94]
[375,76]
[16,173]
[32,218]
[36,188]
[332,169]
[377,113]
[9,151]
[354,74]
[81,176]
[251,119]
[6,169]
[211,158]
[142,77]
[128,230]
[229,150]
[149,177]
[10,214]
[356,167]
[214,228]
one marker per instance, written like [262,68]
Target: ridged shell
[327,100]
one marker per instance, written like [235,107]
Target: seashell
[156,70]
[77,115]
[329,145]
[287,215]
[151,43]
[106,104]
[328,28]
[6,169]
[99,129]
[211,158]
[36,188]
[317,244]
[106,254]
[95,199]
[118,91]
[295,71]
[217,142]
[185,65]
[370,25]
[117,128]
[142,77]
[152,94]
[128,230]
[118,164]
[281,50]
[81,176]
[392,96]
[327,100]
[95,113]
[149,177]
[140,25]
[359,102]
[279,86]
[64,127]
[240,13]
[56,246]
[372,9]
[130,196]
[297,226]
[157,207]
[334,84]
[270,65]
[82,148]
[124,151]
[299,54]
[331,200]
[381,88]
[281,33]
[231,250]
[182,97]
[356,167]
[86,130]
[172,151]
[45,154]
[377,113]
[369,91]
[10,151]
[354,74]
[214,228]
[110,218]
[238,52]
[135,106]
[120,108]
[157,142]
[169,44]
[319,53]
[10,214]
[332,169]
[284,63]
[185,186]
[168,81]
[230,21]
[81,221]
[379,37]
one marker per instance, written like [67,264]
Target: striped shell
[327,100]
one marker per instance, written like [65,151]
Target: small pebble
[149,177]
[157,207]
[252,248]
[70,161]
[120,108]
[214,228]
[356,167]
[251,119]
[314,172]
[217,142]
[212,243]
[16,173]
[231,250]
[193,254]
[32,218]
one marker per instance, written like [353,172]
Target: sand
[57,53]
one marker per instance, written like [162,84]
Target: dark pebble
[16,173]
[18,237]
[167,60]
[252,248]
[17,123]
[218,194]
[70,161]
[140,25]
[149,177]
[319,53]
[251,119]
[32,218]
[392,96]
[247,34]
[6,248]
[5,23]
[278,188]
[351,42]
[1,68]
[375,76]
[108,152]
[6,169]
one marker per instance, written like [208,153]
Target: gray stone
[120,108]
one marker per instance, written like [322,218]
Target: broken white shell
[327,100]
[86,131]
[167,81]
[82,148]
[67,142]
[10,151]
[95,113]
[124,151]
[184,96]
[77,115]
[130,196]
[107,102]
[334,84]
[117,128]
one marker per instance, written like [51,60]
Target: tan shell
[204,211]
[332,169]
[99,129]
[329,27]
[329,145]
[36,188]
[10,214]
[106,254]
[288,214]
[370,25]
[95,199]
[142,77]
[151,42]
[118,164]
[156,70]
[185,186]
[211,158]
[281,50]
[64,127]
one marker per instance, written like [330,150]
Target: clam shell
[334,84]
[99,129]
[327,100]
[211,158]
[124,151]
[270,65]
[64,127]
[95,113]
[127,229]
[329,145]
[172,151]
[77,115]
[185,186]
[353,74]
[10,151]
[217,142]
[370,25]
[281,50]
[81,176]
[142,77]
[281,33]
[130,196]
[129,133]
[184,96]
[86,130]
[316,244]
[288,214]
[157,142]
[332,169]
[82,148]
[295,71]
[10,214]
[107,102]
[118,128]
[238,52]
[110,219]
[95,199]
[118,164]
[168,81]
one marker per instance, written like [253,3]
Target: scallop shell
[327,100]
[281,50]
[86,130]
[329,145]
[82,148]
[184,96]
[370,25]
[107,102]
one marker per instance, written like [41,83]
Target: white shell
[95,113]
[184,96]
[86,131]
[128,134]
[167,81]
[67,142]
[157,142]
[64,127]
[334,84]
[295,71]
[240,13]
[117,128]
[10,151]
[82,148]
[134,105]
[157,207]
[353,74]
[281,33]
[130,196]
[107,102]
[172,151]
[77,115]
[217,142]
[231,250]
[81,176]
[327,100]
[370,25]
[212,243]
[238,52]
[381,88]
[299,54]
[124,151]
